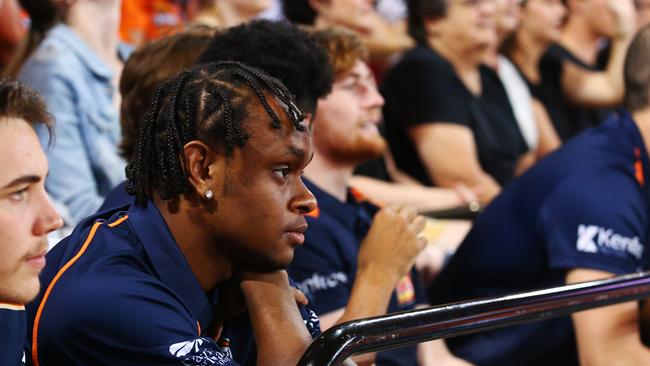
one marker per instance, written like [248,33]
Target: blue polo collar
[169,262]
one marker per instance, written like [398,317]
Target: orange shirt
[144,20]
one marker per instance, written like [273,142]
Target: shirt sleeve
[595,221]
[425,90]
[71,180]
[135,321]
[318,270]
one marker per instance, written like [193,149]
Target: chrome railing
[405,328]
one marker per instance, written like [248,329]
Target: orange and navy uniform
[118,291]
[325,266]
[12,334]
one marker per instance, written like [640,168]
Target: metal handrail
[409,327]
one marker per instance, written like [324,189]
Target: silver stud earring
[208,194]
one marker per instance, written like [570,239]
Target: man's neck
[200,251]
[329,176]
[642,119]
[97,24]
[580,40]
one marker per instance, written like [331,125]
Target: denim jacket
[77,86]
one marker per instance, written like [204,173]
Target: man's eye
[282,172]
[19,195]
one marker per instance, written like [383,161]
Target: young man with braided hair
[219,206]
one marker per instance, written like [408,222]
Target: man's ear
[199,159]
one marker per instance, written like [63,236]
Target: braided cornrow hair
[207,102]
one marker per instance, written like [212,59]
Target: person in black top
[26,213]
[448,119]
[574,88]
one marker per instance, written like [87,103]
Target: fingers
[300,298]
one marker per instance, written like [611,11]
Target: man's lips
[297,234]
[37,260]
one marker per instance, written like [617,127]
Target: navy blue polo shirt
[326,264]
[12,337]
[120,292]
[585,206]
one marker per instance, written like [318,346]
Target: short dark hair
[208,102]
[637,71]
[147,67]
[17,100]
[299,11]
[283,51]
[421,10]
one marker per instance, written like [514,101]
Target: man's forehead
[20,151]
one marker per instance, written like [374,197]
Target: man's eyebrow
[22,180]
[297,152]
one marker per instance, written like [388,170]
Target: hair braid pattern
[208,103]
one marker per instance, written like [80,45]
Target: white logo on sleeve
[320,282]
[199,352]
[596,239]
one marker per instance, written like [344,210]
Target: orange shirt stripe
[39,312]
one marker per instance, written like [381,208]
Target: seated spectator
[76,67]
[448,118]
[225,13]
[153,282]
[581,214]
[534,122]
[382,37]
[26,214]
[539,25]
[356,261]
[575,89]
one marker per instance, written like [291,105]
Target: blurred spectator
[26,214]
[448,118]
[362,254]
[146,20]
[534,122]
[76,67]
[643,12]
[574,88]
[581,214]
[225,13]
[12,30]
[383,38]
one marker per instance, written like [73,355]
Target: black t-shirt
[424,88]
[568,119]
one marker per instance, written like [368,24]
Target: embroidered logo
[199,352]
[596,239]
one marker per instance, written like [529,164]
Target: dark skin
[242,239]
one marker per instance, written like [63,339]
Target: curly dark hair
[208,102]
[283,51]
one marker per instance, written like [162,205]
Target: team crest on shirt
[405,291]
[199,352]
[596,239]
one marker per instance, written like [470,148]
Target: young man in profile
[26,214]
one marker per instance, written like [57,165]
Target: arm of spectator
[71,180]
[449,154]
[603,88]
[386,255]
[548,138]
[272,307]
[420,197]
[609,335]
[435,353]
